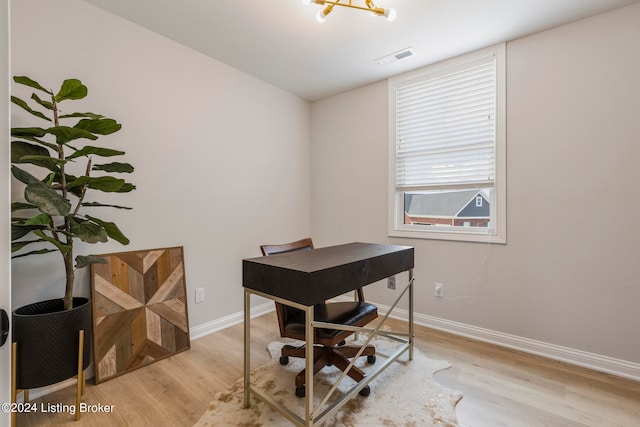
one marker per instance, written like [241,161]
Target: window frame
[497,232]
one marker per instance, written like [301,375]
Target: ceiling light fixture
[389,13]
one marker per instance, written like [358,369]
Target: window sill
[480,236]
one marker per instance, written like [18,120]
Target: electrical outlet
[391,282]
[438,290]
[199,295]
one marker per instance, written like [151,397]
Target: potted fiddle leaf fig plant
[61,166]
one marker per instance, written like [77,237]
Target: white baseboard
[233,319]
[597,362]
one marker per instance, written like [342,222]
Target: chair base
[327,356]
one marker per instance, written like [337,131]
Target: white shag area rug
[405,394]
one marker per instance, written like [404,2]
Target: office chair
[329,348]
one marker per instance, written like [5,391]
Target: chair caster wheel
[284,360]
[365,391]
[371,359]
[300,392]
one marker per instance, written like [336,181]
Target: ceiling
[280,42]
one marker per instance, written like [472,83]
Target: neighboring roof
[446,204]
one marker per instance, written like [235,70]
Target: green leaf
[127,187]
[99,126]
[38,252]
[84,261]
[88,231]
[19,102]
[66,134]
[46,199]
[24,80]
[50,180]
[96,204]
[23,152]
[19,206]
[112,230]
[28,132]
[88,115]
[19,149]
[50,145]
[23,176]
[48,162]
[108,184]
[71,89]
[46,104]
[18,231]
[114,167]
[97,151]
[40,219]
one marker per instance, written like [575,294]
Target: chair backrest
[284,312]
[303,244]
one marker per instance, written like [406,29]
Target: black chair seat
[344,313]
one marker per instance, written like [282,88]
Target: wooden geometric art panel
[139,310]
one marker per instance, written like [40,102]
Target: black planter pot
[47,341]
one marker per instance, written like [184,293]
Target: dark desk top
[312,276]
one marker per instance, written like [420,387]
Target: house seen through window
[465,208]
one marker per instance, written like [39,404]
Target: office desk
[302,279]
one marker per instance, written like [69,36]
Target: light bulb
[320,16]
[390,14]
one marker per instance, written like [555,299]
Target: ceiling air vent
[396,56]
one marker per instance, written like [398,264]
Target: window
[447,150]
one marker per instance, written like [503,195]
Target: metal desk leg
[309,335]
[411,314]
[247,349]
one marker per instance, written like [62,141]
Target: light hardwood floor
[501,387]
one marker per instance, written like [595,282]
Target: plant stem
[87,172]
[68,257]
[68,291]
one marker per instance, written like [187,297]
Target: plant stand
[50,345]
[80,383]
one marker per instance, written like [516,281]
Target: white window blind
[446,128]
[447,133]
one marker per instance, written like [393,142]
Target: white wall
[222,159]
[570,272]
